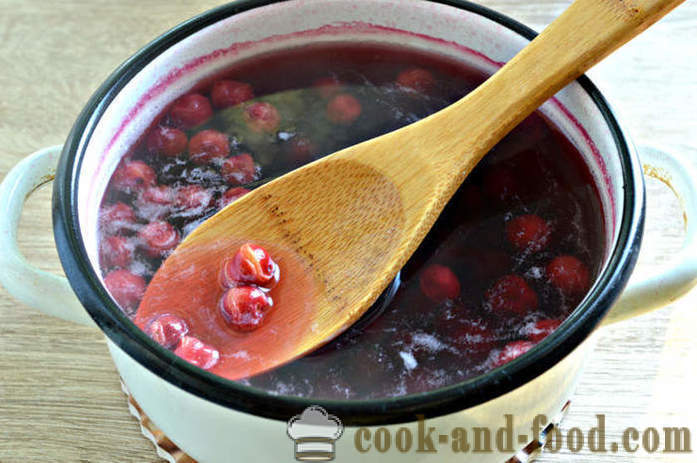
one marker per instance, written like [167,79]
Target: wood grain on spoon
[342,227]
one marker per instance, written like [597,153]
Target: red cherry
[500,183]
[160,194]
[226,93]
[474,335]
[511,351]
[251,265]
[512,294]
[190,110]
[416,79]
[542,328]
[193,197]
[208,145]
[438,283]
[126,288]
[154,203]
[114,252]
[262,117]
[344,109]
[244,307]
[166,141]
[117,217]
[134,175]
[528,233]
[231,195]
[327,87]
[198,353]
[302,149]
[167,330]
[158,238]
[238,170]
[569,274]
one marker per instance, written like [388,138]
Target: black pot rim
[122,332]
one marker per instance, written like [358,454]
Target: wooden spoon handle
[584,34]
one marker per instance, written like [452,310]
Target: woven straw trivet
[165,448]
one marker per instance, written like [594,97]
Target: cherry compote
[513,253]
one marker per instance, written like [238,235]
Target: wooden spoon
[343,226]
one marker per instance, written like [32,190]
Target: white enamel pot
[215,420]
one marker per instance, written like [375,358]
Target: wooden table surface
[59,392]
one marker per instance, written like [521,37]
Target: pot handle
[644,295]
[36,288]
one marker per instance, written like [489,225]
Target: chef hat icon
[314,432]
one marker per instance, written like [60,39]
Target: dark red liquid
[483,287]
